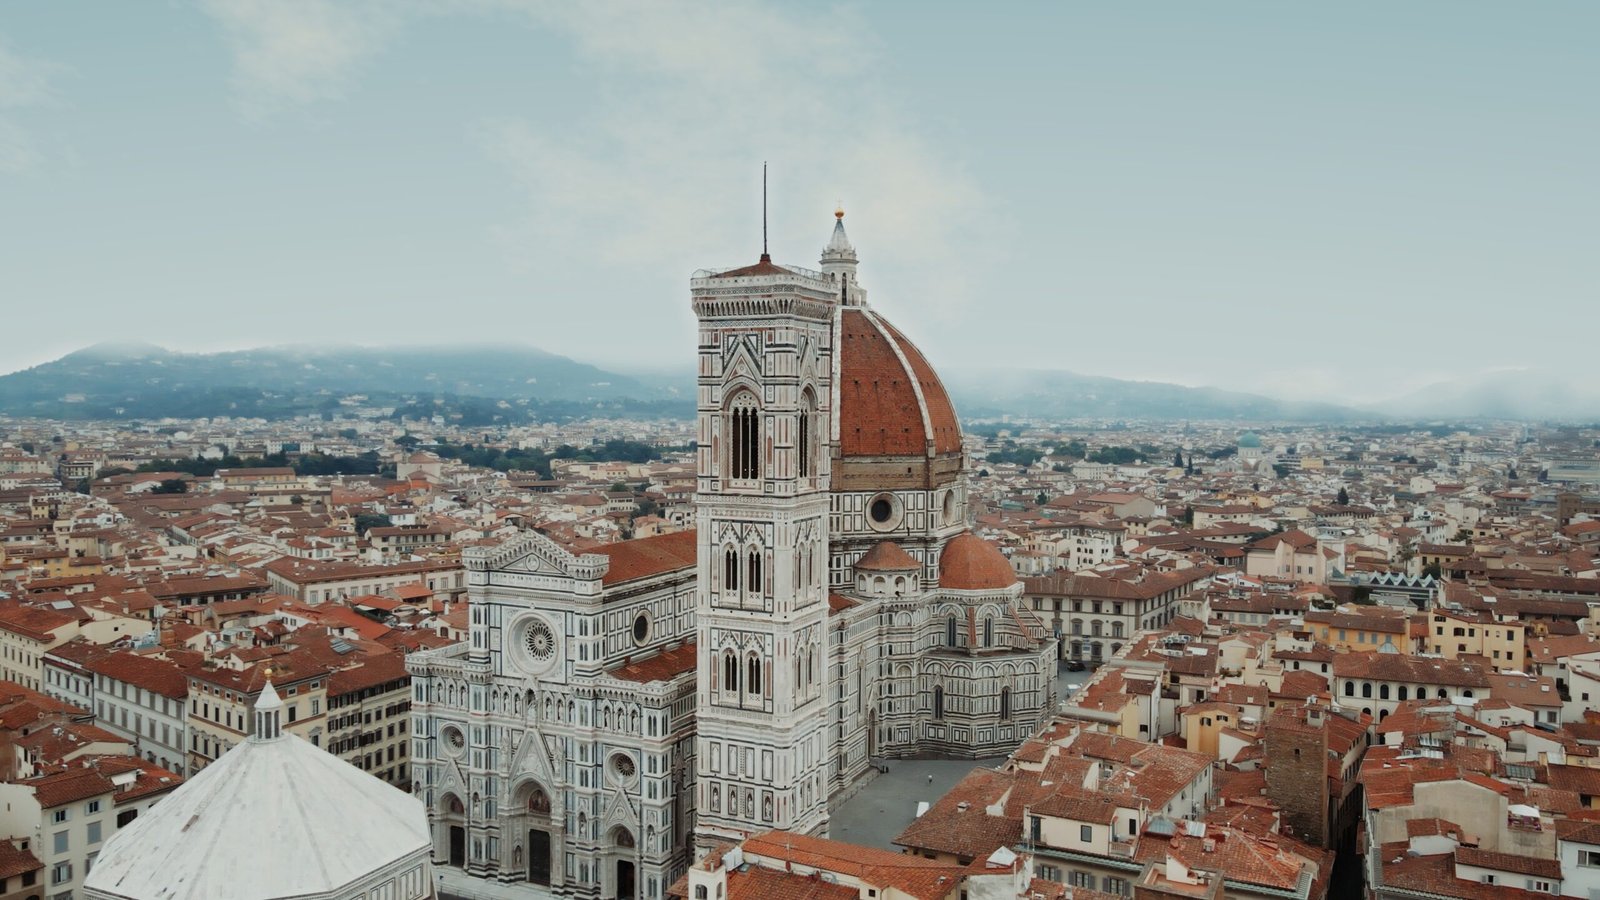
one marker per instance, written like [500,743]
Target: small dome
[887,557]
[1249,439]
[970,563]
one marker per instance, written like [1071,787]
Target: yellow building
[1364,631]
[1456,634]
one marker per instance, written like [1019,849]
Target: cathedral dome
[891,402]
[970,563]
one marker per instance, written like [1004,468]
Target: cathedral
[614,713]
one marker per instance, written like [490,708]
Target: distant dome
[1249,439]
[273,817]
[970,563]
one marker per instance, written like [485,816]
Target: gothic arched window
[754,584]
[1005,703]
[730,672]
[803,437]
[744,438]
[938,702]
[730,570]
[753,676]
[988,631]
[950,631]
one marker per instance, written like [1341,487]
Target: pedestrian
[930,779]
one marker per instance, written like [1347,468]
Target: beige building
[26,635]
[221,702]
[369,718]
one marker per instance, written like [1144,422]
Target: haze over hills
[1514,394]
[128,380]
[510,383]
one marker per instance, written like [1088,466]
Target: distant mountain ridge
[134,380]
[130,379]
[1056,394]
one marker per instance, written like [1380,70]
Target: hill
[1055,394]
[143,380]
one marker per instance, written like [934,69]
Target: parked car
[1075,665]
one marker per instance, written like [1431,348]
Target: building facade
[612,712]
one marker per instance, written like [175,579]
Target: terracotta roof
[663,666]
[970,563]
[154,675]
[915,876]
[15,862]
[886,556]
[644,557]
[880,377]
[765,266]
[1509,862]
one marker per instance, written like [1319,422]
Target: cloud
[678,104]
[289,52]
[24,84]
[688,100]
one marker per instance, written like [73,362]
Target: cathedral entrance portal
[624,879]
[458,846]
[539,856]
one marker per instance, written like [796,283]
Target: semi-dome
[273,817]
[970,563]
[886,556]
[891,402]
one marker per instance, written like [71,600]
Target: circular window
[949,507]
[540,640]
[641,628]
[454,740]
[622,765]
[535,644]
[883,512]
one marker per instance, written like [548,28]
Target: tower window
[755,584]
[730,570]
[744,444]
[938,702]
[803,438]
[1005,703]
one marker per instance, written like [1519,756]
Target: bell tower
[765,402]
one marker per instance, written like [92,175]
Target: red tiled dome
[970,563]
[891,402]
[887,556]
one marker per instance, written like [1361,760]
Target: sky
[1337,201]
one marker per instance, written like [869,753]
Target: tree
[407,441]
[1344,497]
[1431,570]
[171,486]
[368,521]
[1511,474]
[1177,458]
[1041,499]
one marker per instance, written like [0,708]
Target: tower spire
[765,256]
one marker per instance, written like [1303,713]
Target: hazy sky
[1335,200]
